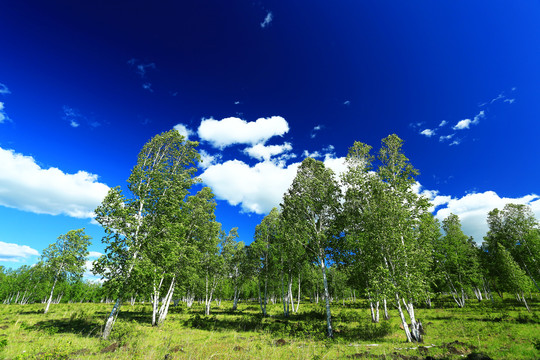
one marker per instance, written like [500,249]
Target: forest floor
[502,329]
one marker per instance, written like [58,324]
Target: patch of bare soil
[111,348]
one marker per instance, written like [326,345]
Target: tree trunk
[235,299]
[155,301]
[111,319]
[165,306]
[416,326]
[50,296]
[298,303]
[403,320]
[386,315]
[374,311]
[327,298]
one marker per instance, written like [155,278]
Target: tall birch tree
[310,209]
[165,165]
[66,257]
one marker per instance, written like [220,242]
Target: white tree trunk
[374,311]
[111,319]
[298,303]
[165,305]
[327,297]
[50,296]
[403,320]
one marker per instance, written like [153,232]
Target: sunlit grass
[502,329]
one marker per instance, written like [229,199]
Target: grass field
[502,330]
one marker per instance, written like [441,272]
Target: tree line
[365,233]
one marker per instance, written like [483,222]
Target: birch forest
[365,239]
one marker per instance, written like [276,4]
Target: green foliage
[125,332]
[3,343]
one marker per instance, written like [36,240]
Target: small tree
[66,257]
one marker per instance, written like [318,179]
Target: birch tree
[405,254]
[66,257]
[310,209]
[456,260]
[261,254]
[165,164]
[518,231]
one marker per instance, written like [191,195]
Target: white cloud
[24,185]
[140,67]
[443,123]
[3,115]
[337,165]
[455,142]
[207,160]
[446,137]
[15,253]
[94,254]
[314,131]
[510,101]
[462,124]
[73,116]
[147,86]
[256,189]
[499,97]
[347,103]
[4,89]
[428,132]
[477,117]
[472,210]
[465,124]
[267,20]
[313,155]
[262,152]
[232,130]
[183,130]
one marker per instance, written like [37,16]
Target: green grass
[501,330]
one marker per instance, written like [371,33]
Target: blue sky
[83,85]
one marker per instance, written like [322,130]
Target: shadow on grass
[306,325]
[66,325]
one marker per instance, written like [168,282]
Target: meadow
[501,329]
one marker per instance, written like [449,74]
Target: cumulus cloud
[263,152]
[256,188]
[443,123]
[472,210]
[26,186]
[16,253]
[267,20]
[183,130]
[4,89]
[232,130]
[428,132]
